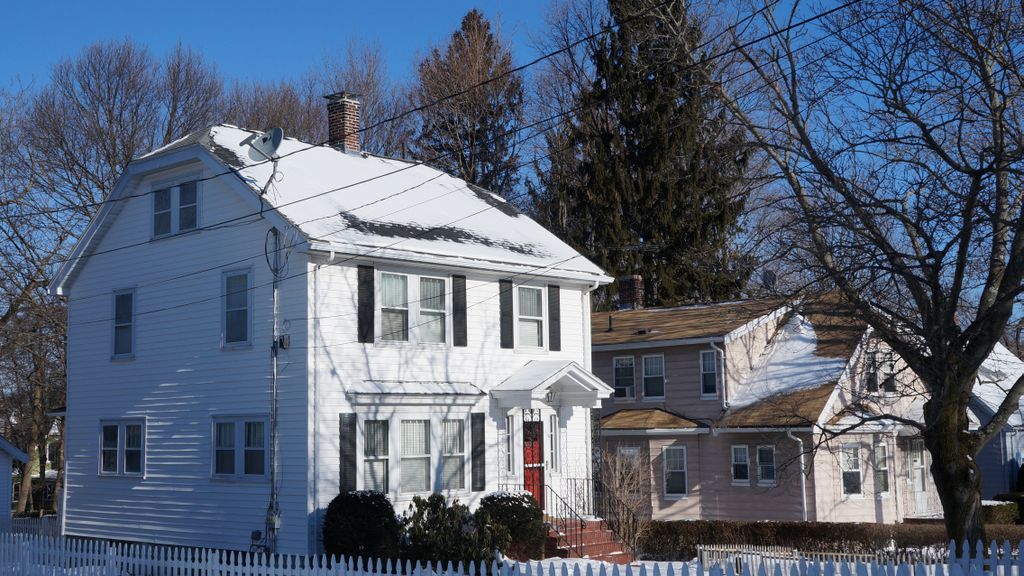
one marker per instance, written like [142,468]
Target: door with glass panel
[533,460]
[919,476]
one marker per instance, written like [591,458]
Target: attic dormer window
[175,209]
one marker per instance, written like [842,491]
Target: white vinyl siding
[740,465]
[122,448]
[654,376]
[453,455]
[531,317]
[849,464]
[766,465]
[124,324]
[375,455]
[710,378]
[415,465]
[237,317]
[175,209]
[674,458]
[623,369]
[240,447]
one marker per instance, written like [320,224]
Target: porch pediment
[551,383]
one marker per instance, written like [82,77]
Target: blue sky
[254,39]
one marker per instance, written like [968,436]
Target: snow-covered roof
[363,204]
[996,376]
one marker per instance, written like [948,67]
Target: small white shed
[8,454]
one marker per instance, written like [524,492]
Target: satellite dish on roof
[268,143]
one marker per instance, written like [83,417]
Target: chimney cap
[343,95]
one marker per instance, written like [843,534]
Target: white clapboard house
[247,338]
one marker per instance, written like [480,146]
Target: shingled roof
[678,323]
[648,419]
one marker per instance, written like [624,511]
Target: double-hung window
[881,469]
[394,312]
[888,372]
[623,376]
[709,375]
[674,458]
[124,323]
[375,455]
[431,326]
[240,447]
[880,371]
[849,464]
[740,465]
[175,209]
[654,376]
[122,448]
[531,316]
[453,455]
[415,462]
[766,464]
[237,290]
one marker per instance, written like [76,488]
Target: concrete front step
[597,542]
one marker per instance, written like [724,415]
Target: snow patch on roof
[789,364]
[364,204]
[997,375]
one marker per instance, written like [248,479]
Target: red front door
[533,460]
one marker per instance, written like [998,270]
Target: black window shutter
[478,471]
[505,305]
[366,304]
[459,310]
[555,319]
[347,441]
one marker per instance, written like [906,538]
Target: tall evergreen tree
[648,178]
[473,131]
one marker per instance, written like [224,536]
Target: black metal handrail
[616,515]
[567,523]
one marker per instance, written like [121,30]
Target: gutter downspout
[721,367]
[803,474]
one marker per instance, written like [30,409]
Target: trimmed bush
[521,517]
[438,532]
[679,540]
[361,524]
[1002,513]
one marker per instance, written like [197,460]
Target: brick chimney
[343,121]
[631,292]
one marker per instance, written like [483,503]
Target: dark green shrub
[1005,513]
[521,516]
[361,524]
[438,532]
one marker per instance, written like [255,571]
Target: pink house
[745,411]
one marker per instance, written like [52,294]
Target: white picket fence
[28,555]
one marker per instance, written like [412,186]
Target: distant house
[247,338]
[720,401]
[8,454]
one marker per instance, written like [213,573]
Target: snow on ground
[789,364]
[678,568]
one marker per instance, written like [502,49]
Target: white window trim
[239,448]
[250,293]
[775,468]
[874,465]
[632,394]
[544,318]
[554,449]
[860,472]
[718,377]
[441,455]
[733,463]
[664,474]
[412,307]
[643,377]
[114,356]
[364,459]
[174,188]
[121,437]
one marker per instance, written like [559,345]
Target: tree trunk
[956,475]
[26,481]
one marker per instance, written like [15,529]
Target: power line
[428,230]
